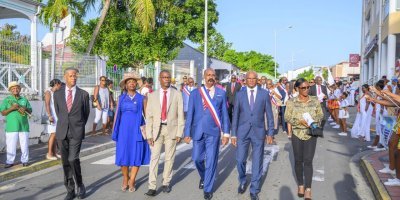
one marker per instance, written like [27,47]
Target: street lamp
[205,33]
[289,27]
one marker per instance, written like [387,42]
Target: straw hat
[127,76]
[13,84]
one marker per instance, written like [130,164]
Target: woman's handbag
[315,130]
[44,119]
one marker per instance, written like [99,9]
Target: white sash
[207,100]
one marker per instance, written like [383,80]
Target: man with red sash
[207,119]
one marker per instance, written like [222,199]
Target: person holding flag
[207,119]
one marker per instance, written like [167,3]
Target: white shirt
[73,93]
[162,97]
[190,88]
[249,93]
[211,92]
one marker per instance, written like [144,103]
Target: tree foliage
[307,74]
[217,46]
[56,10]
[15,47]
[250,60]
[123,42]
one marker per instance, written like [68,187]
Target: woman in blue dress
[132,149]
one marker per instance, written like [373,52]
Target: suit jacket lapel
[246,96]
[77,96]
[63,100]
[257,97]
[171,98]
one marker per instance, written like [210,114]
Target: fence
[15,49]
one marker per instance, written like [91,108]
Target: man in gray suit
[231,90]
[72,108]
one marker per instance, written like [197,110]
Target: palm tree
[56,10]
[143,13]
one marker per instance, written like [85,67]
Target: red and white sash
[186,91]
[207,100]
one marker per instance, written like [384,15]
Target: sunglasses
[304,88]
[311,82]
[103,79]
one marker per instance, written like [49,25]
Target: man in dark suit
[231,90]
[206,118]
[281,86]
[252,105]
[72,108]
[321,93]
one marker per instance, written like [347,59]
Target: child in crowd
[343,113]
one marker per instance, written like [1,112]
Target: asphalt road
[334,178]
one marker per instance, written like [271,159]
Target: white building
[380,39]
[292,74]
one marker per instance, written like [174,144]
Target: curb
[377,187]
[44,164]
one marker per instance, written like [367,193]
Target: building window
[398,4]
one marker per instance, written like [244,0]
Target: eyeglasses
[304,88]
[311,82]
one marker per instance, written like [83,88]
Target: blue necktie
[252,100]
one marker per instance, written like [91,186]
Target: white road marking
[191,165]
[269,153]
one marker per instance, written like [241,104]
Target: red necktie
[164,107]
[69,100]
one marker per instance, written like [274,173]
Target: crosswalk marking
[270,151]
[191,165]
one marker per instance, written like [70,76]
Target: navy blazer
[243,118]
[200,121]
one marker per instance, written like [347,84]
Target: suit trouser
[11,143]
[70,149]
[283,121]
[205,155]
[230,112]
[303,151]
[170,149]
[242,151]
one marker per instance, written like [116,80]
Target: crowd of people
[246,112]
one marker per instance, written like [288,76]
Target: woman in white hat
[15,109]
[132,149]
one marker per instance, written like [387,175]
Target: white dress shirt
[162,97]
[73,93]
[211,92]
[254,93]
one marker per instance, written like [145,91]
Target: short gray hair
[208,69]
[71,69]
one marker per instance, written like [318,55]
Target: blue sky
[324,32]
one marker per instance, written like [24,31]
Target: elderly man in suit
[252,105]
[72,108]
[164,125]
[321,93]
[231,89]
[207,118]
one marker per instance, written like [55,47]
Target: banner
[387,126]
[354,60]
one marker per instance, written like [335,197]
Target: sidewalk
[38,161]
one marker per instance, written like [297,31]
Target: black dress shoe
[166,188]
[151,193]
[254,196]
[81,192]
[8,165]
[201,184]
[25,164]
[208,195]
[242,188]
[70,196]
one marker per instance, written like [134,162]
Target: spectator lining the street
[394,143]
[361,126]
[334,104]
[110,120]
[101,99]
[55,85]
[343,113]
[16,109]
[380,111]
